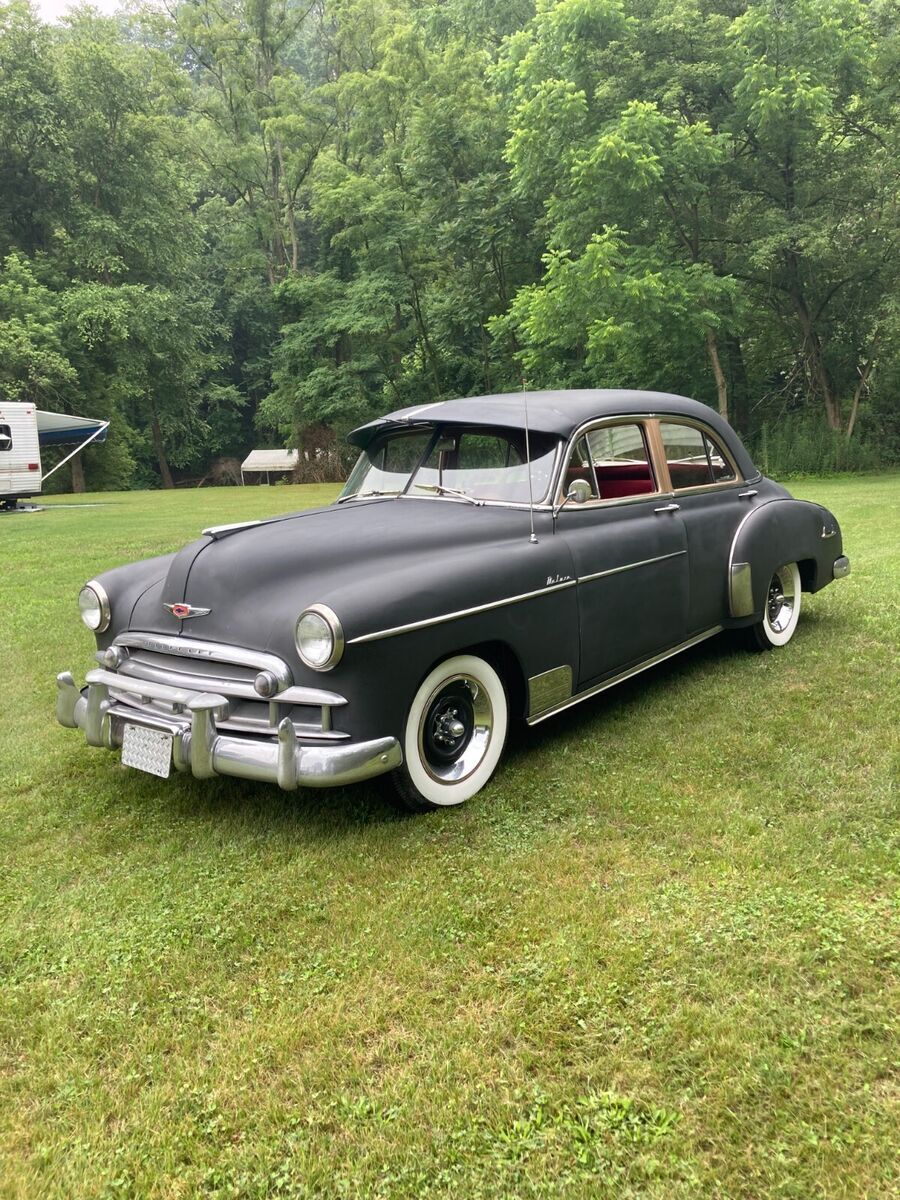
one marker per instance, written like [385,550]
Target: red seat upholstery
[614,488]
[624,479]
[615,480]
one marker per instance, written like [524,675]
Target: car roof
[555,412]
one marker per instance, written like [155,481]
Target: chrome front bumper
[199,747]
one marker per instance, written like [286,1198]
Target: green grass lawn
[656,957]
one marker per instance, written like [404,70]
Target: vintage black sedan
[489,558]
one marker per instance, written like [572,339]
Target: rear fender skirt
[773,533]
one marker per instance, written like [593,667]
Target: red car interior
[634,479]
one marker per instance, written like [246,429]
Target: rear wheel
[454,736]
[781,612]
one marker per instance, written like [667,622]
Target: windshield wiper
[448,491]
[363,495]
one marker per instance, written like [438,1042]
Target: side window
[5,438]
[721,469]
[621,461]
[485,451]
[614,460]
[694,459]
[580,467]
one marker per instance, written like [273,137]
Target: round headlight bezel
[330,619]
[104,612]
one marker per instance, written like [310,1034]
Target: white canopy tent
[269,462]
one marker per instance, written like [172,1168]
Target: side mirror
[579,491]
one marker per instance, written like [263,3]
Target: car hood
[356,557]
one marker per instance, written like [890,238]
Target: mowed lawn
[656,957]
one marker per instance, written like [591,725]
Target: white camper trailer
[24,429]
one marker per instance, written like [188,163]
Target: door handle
[668,508]
[748,495]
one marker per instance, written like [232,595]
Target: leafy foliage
[226,223]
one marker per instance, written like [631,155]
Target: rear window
[695,458]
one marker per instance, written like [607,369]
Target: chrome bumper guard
[199,747]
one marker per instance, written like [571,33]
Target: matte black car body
[605,589]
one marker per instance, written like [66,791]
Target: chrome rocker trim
[841,567]
[198,746]
[623,675]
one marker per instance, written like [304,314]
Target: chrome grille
[228,671]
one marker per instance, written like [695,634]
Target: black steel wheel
[455,733]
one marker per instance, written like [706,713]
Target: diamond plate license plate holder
[147,750]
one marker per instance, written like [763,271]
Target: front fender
[775,532]
[125,586]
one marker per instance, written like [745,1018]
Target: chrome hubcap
[455,729]
[780,600]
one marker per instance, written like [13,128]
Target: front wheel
[454,735]
[782,610]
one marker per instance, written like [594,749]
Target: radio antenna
[532,539]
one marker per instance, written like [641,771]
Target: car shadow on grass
[631,697]
[326,813]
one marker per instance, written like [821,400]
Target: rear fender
[776,532]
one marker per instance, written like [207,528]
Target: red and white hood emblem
[183,611]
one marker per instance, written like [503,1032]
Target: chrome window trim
[618,501]
[594,423]
[707,431]
[653,661]
[602,423]
[462,612]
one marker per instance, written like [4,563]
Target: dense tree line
[226,223]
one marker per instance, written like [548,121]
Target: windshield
[462,462]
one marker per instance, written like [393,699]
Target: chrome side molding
[462,612]
[623,675]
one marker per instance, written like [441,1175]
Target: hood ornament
[183,611]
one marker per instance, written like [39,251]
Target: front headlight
[94,604]
[319,637]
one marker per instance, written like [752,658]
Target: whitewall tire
[782,609]
[454,735]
